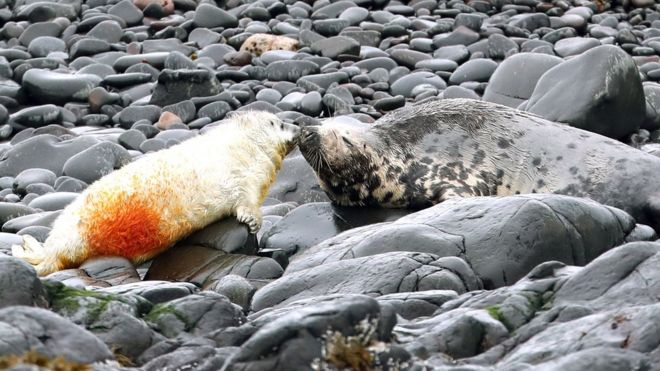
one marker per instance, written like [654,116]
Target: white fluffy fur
[223,172]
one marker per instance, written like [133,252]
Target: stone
[203,265]
[197,314]
[58,88]
[610,100]
[32,176]
[96,161]
[36,117]
[304,331]
[236,288]
[514,80]
[405,85]
[495,253]
[312,223]
[290,70]
[334,46]
[378,274]
[43,151]
[176,86]
[155,292]
[210,16]
[575,45]
[53,201]
[20,284]
[295,182]
[40,330]
[479,70]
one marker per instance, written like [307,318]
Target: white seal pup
[146,206]
[425,153]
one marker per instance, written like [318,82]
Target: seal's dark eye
[348,142]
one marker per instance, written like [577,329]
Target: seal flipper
[33,252]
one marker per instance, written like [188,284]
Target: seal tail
[33,252]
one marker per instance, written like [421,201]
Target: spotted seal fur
[146,206]
[426,153]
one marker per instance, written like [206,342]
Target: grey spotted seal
[425,153]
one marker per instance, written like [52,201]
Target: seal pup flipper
[250,215]
[31,250]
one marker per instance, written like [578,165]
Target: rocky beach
[521,282]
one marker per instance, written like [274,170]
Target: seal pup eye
[348,142]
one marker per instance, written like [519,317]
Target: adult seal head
[428,152]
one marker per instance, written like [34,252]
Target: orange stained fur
[123,224]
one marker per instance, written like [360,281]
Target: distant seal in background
[425,153]
[260,43]
[146,206]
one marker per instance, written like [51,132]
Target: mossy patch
[496,313]
[163,309]
[69,300]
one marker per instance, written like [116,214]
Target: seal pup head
[347,160]
[266,130]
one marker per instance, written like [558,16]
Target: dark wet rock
[478,70]
[375,275]
[515,78]
[131,139]
[43,45]
[191,355]
[610,100]
[607,284]
[236,288]
[43,151]
[111,269]
[227,235]
[575,46]
[593,230]
[20,285]
[203,265]
[44,219]
[296,182]
[155,59]
[58,88]
[154,291]
[96,161]
[53,201]
[126,11]
[304,331]
[129,115]
[197,314]
[32,176]
[594,331]
[215,111]
[405,85]
[176,86]
[40,330]
[209,16]
[410,305]
[68,184]
[113,319]
[290,70]
[36,117]
[10,211]
[321,220]
[460,36]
